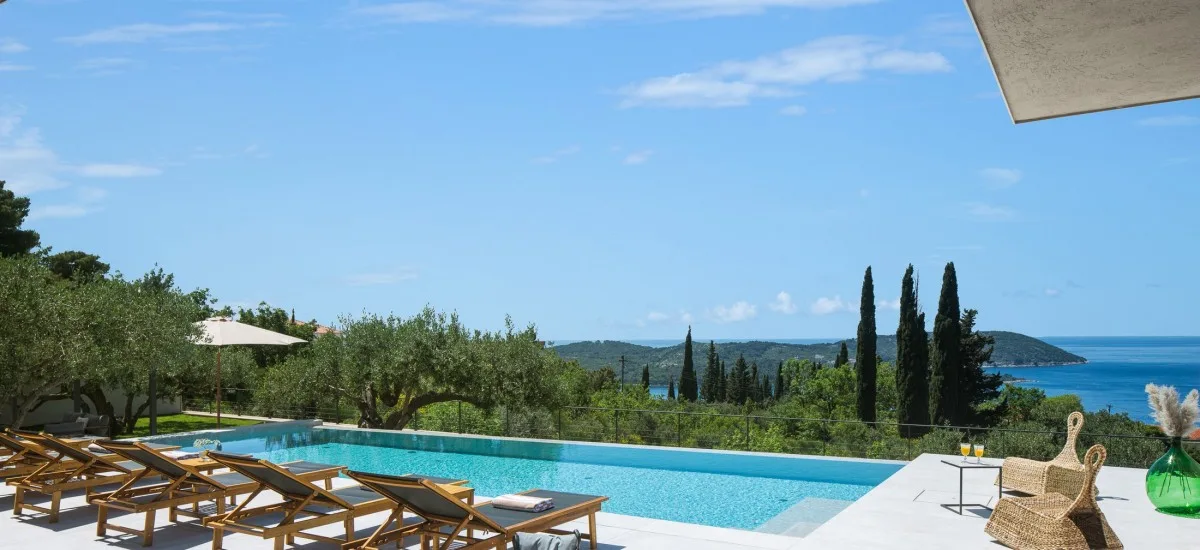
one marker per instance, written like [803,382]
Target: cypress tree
[687,378]
[864,352]
[753,391]
[646,377]
[712,369]
[738,378]
[945,362]
[912,384]
[976,385]
[843,356]
[765,388]
[671,388]
[779,391]
[723,384]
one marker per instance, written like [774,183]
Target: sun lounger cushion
[505,518]
[523,503]
[544,541]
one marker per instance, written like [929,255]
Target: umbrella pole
[218,386]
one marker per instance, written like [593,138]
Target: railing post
[460,426]
[616,425]
[337,410]
[560,432]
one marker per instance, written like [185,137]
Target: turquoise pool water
[709,488]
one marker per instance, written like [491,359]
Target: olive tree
[136,327]
[390,367]
[40,323]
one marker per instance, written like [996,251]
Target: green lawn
[178,423]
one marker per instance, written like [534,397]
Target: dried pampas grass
[1177,419]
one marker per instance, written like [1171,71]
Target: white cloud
[146,32]
[783,303]
[737,83]
[886,304]
[793,110]
[416,12]
[989,212]
[740,311]
[639,157]
[25,160]
[118,171]
[548,13]
[1001,177]
[825,306]
[87,201]
[57,211]
[657,316]
[686,317]
[13,67]
[1052,292]
[9,46]
[558,155]
[104,65]
[1170,120]
[390,277]
[217,14]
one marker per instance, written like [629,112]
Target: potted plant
[1173,481]
[207,445]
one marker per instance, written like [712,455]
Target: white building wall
[53,411]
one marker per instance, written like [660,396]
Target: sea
[1115,375]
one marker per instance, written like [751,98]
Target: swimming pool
[721,489]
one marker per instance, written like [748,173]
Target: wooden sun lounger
[305,506]
[69,469]
[24,457]
[182,485]
[446,517]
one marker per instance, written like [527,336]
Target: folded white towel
[182,455]
[523,503]
[97,449]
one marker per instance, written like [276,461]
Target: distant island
[1012,350]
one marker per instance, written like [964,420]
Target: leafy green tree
[764,388]
[865,358]
[710,386]
[646,377]
[687,378]
[77,266]
[977,386]
[276,320]
[945,363]
[15,241]
[391,367]
[671,388]
[843,356]
[912,382]
[41,320]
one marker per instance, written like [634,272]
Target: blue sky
[606,169]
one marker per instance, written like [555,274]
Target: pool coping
[617,445]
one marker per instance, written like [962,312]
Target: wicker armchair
[1053,521]
[1064,474]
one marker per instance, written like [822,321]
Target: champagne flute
[979,453]
[965,449]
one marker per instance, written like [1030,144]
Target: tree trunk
[103,406]
[129,422]
[368,414]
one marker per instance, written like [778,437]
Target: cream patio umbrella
[222,331]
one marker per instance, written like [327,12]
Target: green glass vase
[1173,482]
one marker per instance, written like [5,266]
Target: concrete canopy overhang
[1057,58]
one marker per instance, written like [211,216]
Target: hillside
[1012,349]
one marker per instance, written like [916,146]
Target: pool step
[803,517]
